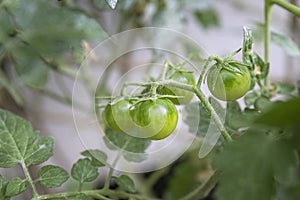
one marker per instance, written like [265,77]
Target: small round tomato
[155,119]
[185,96]
[117,116]
[228,84]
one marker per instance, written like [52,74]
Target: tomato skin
[117,116]
[156,119]
[186,96]
[227,85]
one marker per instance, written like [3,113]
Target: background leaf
[112,3]
[252,161]
[288,45]
[126,183]
[52,176]
[15,187]
[207,18]
[84,171]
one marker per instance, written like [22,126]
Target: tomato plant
[229,82]
[156,119]
[251,146]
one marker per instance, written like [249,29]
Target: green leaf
[207,18]
[134,157]
[99,158]
[261,69]
[16,137]
[51,176]
[247,45]
[288,45]
[284,88]
[84,171]
[3,185]
[282,115]
[15,187]
[39,152]
[250,164]
[29,67]
[126,183]
[263,104]
[250,98]
[118,140]
[112,3]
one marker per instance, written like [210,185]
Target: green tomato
[156,119]
[185,96]
[117,116]
[226,84]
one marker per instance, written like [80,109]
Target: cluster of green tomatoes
[153,114]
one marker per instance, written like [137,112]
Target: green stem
[288,6]
[30,181]
[268,13]
[213,113]
[202,190]
[96,194]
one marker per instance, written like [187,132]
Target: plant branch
[288,6]
[268,13]
[29,179]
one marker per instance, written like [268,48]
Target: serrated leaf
[39,152]
[15,187]
[16,136]
[98,157]
[126,142]
[84,171]
[288,45]
[112,3]
[249,166]
[207,18]
[51,176]
[126,183]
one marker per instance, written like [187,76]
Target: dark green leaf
[52,176]
[288,45]
[263,104]
[112,3]
[250,98]
[16,137]
[289,192]
[207,18]
[126,142]
[84,171]
[98,157]
[15,187]
[249,166]
[247,45]
[282,115]
[29,67]
[126,183]
[39,152]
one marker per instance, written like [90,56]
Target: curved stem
[288,6]
[213,113]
